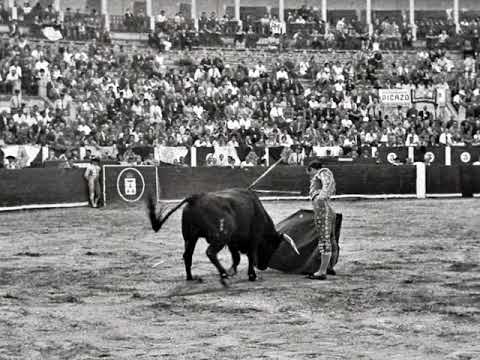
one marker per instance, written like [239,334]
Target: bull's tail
[158,221]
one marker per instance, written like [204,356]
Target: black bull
[235,218]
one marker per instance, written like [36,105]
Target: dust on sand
[90,284]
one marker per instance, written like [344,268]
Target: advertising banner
[395,97]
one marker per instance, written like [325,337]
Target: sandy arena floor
[99,284]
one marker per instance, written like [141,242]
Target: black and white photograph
[240,179]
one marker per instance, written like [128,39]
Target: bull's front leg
[252,276]
[235,260]
[212,252]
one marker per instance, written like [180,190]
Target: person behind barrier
[477,163]
[322,187]
[92,175]
[11,163]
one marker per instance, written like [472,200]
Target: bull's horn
[289,240]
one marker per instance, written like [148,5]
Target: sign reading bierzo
[395,97]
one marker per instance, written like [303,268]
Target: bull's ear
[290,241]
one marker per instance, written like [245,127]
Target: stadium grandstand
[140,82]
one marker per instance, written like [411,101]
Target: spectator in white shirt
[470,68]
[83,127]
[339,86]
[245,123]
[222,160]
[19,117]
[260,67]
[442,38]
[370,137]
[337,69]
[253,73]
[412,139]
[276,111]
[346,123]
[199,74]
[13,80]
[445,137]
[477,163]
[233,141]
[161,18]
[156,111]
[214,73]
[282,74]
[476,138]
[17,68]
[42,64]
[313,103]
[303,67]
[285,139]
[276,27]
[233,124]
[297,157]
[198,110]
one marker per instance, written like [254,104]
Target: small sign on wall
[129,184]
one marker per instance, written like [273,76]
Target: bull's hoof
[252,277]
[331,272]
[232,271]
[195,278]
[224,280]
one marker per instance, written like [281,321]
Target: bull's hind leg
[187,257]
[212,252]
[235,260]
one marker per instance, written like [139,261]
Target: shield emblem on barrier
[130,186]
[465,157]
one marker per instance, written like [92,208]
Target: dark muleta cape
[300,226]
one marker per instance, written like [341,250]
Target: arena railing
[35,17]
[131,184]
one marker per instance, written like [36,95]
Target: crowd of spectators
[126,99]
[109,96]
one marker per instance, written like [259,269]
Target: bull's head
[267,248]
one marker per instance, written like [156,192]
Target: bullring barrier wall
[127,184]
[284,182]
[42,188]
[53,187]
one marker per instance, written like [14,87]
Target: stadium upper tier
[396,23]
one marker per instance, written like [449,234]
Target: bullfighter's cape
[301,227]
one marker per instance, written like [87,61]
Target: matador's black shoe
[331,272]
[317,277]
